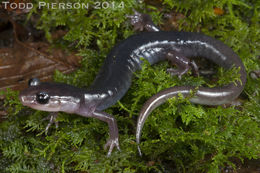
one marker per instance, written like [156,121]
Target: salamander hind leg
[183,64]
[142,22]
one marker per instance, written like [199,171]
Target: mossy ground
[178,136]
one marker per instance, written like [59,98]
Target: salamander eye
[42,98]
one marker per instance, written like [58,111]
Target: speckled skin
[114,78]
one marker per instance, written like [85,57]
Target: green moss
[177,136]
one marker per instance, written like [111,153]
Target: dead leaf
[218,11]
[25,59]
[173,21]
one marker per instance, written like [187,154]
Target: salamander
[114,77]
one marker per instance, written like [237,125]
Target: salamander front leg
[91,112]
[183,64]
[113,130]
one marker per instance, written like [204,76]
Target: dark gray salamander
[114,79]
[115,76]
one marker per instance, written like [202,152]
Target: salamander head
[51,97]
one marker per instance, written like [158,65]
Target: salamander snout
[25,99]
[40,100]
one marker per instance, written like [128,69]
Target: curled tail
[202,95]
